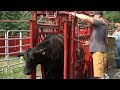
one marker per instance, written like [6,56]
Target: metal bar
[2,38]
[18,38]
[73,47]
[50,33]
[13,59]
[2,53]
[33,39]
[3,30]
[6,47]
[14,52]
[16,30]
[26,45]
[20,41]
[51,14]
[2,60]
[7,52]
[69,51]
[10,53]
[6,44]
[17,67]
[2,47]
[3,66]
[7,59]
[15,64]
[19,45]
[65,52]
[14,20]
[47,26]
[2,70]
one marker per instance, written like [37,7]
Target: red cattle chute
[73,68]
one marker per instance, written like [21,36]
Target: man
[117,44]
[117,31]
[98,44]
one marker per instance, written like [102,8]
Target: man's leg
[99,63]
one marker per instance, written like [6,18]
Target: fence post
[7,51]
[33,41]
[20,45]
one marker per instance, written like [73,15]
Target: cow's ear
[20,54]
[29,49]
[41,51]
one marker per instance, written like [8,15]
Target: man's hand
[72,13]
[86,43]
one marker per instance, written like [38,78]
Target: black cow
[49,53]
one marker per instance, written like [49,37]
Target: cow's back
[55,46]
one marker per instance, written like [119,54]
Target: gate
[77,59]
[10,46]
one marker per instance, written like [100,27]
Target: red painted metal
[33,40]
[70,59]
[47,26]
[13,43]
[66,24]
[73,47]
[63,24]
[65,51]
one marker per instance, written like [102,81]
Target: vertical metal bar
[60,24]
[20,41]
[32,44]
[21,45]
[34,17]
[42,72]
[91,73]
[7,44]
[91,66]
[6,49]
[70,67]
[57,23]
[70,53]
[33,38]
[73,47]
[65,52]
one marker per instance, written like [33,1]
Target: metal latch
[51,14]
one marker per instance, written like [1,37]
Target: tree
[9,15]
[14,15]
[112,16]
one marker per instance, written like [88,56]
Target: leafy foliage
[14,15]
[111,16]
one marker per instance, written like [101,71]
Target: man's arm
[82,16]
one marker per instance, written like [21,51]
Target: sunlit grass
[16,71]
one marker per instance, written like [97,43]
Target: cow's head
[32,58]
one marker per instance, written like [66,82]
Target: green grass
[16,73]
[10,61]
